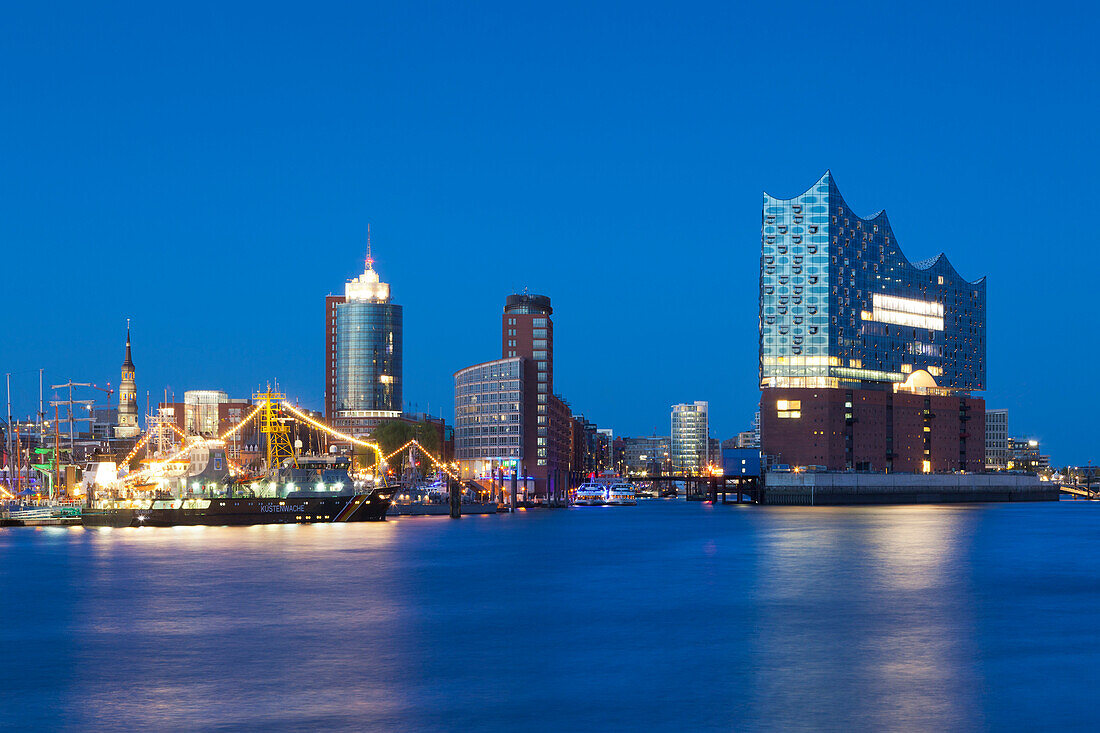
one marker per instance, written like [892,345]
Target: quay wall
[438,510]
[843,488]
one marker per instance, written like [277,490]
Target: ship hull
[369,507]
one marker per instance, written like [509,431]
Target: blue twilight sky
[209,171]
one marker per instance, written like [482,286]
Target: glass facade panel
[368,356]
[836,289]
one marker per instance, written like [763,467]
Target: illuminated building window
[905,312]
[926,466]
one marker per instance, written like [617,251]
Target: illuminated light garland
[196,441]
[439,464]
[233,466]
[332,431]
[137,447]
[241,424]
[344,436]
[133,476]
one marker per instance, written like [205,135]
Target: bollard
[456,499]
[515,482]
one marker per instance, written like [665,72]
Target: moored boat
[590,495]
[304,490]
[228,511]
[621,495]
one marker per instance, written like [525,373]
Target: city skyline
[197,230]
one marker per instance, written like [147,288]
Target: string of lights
[233,430]
[136,448]
[179,432]
[332,431]
[194,441]
[438,464]
[374,446]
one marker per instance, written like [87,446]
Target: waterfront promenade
[665,616]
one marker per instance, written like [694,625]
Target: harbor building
[527,329]
[363,352]
[1024,454]
[518,423]
[689,438]
[867,361]
[650,455]
[585,455]
[201,411]
[996,439]
[204,412]
[492,406]
[127,395]
[741,462]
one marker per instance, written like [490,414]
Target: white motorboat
[621,495]
[590,495]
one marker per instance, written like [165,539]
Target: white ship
[590,495]
[621,495]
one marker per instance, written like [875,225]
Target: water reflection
[865,618]
[664,616]
[186,626]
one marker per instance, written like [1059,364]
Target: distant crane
[71,418]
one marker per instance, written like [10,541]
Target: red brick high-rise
[527,330]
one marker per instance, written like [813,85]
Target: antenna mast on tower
[370,257]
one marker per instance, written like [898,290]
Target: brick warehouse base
[871,429]
[835,489]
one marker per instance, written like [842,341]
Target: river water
[665,616]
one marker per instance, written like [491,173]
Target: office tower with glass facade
[689,438]
[363,351]
[867,360]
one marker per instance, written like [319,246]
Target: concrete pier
[841,488]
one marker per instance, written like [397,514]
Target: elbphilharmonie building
[868,361]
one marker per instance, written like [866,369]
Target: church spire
[128,362]
[127,396]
